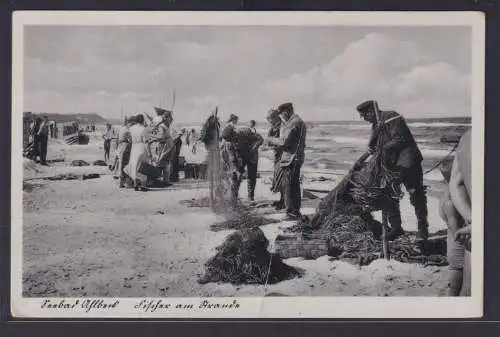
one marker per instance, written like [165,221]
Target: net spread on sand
[243,258]
[354,235]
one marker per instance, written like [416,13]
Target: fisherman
[274,131]
[122,156]
[292,142]
[461,195]
[392,138]
[108,135]
[161,143]
[43,139]
[231,159]
[248,144]
[33,137]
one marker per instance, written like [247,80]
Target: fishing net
[218,178]
[243,258]
[354,235]
[344,217]
[242,221]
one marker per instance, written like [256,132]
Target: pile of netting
[243,258]
[344,218]
[354,235]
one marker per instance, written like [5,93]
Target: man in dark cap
[232,161]
[292,142]
[248,144]
[392,138]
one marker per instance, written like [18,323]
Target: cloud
[325,71]
[397,73]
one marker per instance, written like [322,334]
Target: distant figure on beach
[43,139]
[56,130]
[252,125]
[138,153]
[248,143]
[33,137]
[274,121]
[392,137]
[122,156]
[108,136]
[51,128]
[461,195]
[232,162]
[174,175]
[292,143]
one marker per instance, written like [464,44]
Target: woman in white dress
[138,154]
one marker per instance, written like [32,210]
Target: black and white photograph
[247,165]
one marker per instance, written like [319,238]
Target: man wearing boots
[43,139]
[292,143]
[249,142]
[398,145]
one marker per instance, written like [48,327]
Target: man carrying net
[401,163]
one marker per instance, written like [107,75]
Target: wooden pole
[385,243]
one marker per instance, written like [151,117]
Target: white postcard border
[254,307]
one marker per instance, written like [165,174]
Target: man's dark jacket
[396,139]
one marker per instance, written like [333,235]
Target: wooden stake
[385,243]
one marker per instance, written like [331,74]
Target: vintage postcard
[247,164]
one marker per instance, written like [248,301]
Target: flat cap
[232,117]
[365,105]
[273,113]
[285,107]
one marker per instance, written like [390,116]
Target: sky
[324,71]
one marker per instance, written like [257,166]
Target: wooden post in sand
[385,243]
[214,175]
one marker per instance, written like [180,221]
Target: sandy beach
[90,238]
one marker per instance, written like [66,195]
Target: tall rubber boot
[395,221]
[419,200]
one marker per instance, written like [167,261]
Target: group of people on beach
[391,138]
[147,150]
[286,137]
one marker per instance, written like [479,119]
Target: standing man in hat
[292,143]
[232,161]
[43,139]
[392,138]
[122,155]
[162,144]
